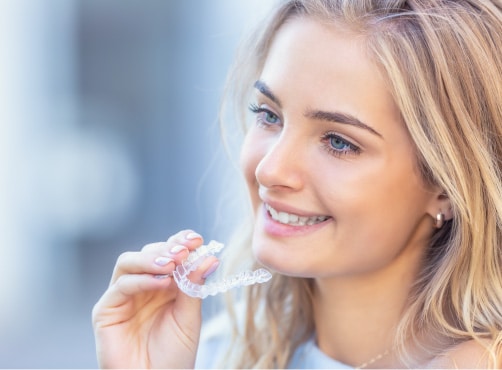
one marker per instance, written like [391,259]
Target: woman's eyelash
[264,116]
[255,108]
[338,146]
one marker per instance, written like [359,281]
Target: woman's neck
[356,317]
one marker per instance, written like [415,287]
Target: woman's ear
[440,208]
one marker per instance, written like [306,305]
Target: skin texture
[305,157]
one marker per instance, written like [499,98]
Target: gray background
[108,141]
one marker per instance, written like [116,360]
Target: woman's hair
[442,60]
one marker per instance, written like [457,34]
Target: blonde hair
[443,63]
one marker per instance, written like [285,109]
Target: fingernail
[192,235]
[178,248]
[212,269]
[162,261]
[165,276]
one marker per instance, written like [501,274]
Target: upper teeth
[292,219]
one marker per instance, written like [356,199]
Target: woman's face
[330,166]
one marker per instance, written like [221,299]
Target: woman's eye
[270,117]
[337,145]
[264,116]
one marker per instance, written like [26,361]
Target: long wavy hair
[443,63]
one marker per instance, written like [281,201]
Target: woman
[373,165]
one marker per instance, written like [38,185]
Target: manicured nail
[212,269]
[178,248]
[165,276]
[192,235]
[162,261]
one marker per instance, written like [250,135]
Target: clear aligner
[196,258]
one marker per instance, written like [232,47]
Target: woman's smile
[279,223]
[294,219]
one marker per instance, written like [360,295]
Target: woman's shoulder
[471,354]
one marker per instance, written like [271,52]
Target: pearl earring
[439,220]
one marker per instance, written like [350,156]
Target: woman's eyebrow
[337,117]
[265,90]
[342,118]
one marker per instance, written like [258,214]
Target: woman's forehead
[324,67]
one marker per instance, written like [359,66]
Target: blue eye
[264,116]
[270,117]
[337,145]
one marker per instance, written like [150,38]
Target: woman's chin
[279,262]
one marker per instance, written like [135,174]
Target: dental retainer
[202,291]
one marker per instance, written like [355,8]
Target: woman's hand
[143,320]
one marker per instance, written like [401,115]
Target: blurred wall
[108,141]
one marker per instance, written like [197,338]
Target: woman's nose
[281,167]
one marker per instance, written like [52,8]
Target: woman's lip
[288,209]
[278,229]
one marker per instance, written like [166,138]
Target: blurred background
[108,141]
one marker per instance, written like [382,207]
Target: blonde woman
[373,164]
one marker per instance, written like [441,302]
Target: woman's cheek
[251,154]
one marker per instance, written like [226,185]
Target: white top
[215,341]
